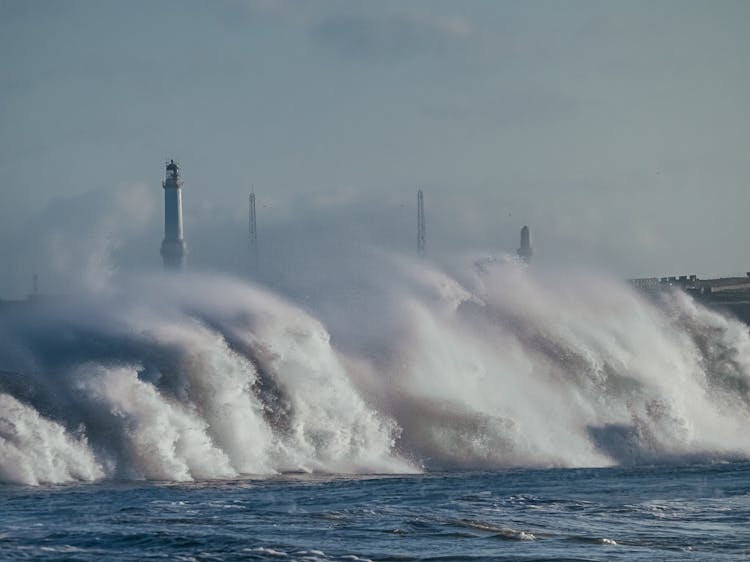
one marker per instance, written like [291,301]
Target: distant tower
[420,224]
[173,248]
[253,235]
[525,251]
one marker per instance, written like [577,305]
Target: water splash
[34,449]
[203,376]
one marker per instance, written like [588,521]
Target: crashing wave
[207,377]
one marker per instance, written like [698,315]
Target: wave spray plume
[205,376]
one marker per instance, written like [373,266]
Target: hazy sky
[618,131]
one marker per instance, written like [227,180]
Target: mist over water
[390,366]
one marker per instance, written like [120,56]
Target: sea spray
[36,450]
[151,436]
[489,365]
[176,385]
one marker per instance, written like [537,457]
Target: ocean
[393,411]
[687,512]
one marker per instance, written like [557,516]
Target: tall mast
[253,235]
[420,224]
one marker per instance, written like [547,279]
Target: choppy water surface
[650,513]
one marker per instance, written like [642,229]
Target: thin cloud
[390,37]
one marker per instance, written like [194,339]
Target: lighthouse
[525,251]
[173,248]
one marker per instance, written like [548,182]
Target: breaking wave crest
[400,367]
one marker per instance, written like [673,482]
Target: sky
[618,131]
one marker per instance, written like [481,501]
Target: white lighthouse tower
[173,248]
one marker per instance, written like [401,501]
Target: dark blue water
[698,512]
